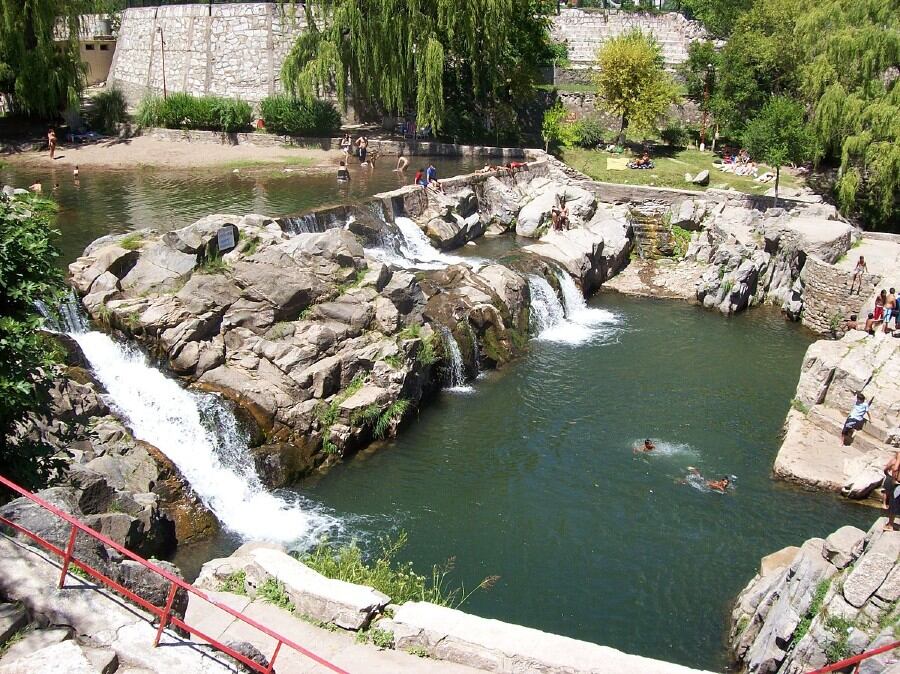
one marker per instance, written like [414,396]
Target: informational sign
[225,237]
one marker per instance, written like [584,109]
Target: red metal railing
[856,659]
[163,613]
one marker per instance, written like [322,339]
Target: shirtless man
[890,310]
[891,487]
[402,162]
[646,447]
[858,272]
[716,485]
[51,142]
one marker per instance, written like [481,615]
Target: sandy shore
[141,151]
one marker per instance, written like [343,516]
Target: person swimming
[648,446]
[720,486]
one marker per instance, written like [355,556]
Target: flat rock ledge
[829,599]
[495,646]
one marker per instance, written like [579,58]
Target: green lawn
[669,171]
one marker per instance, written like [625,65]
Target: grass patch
[353,283]
[214,264]
[386,574]
[280,330]
[252,246]
[669,171]
[814,607]
[838,649]
[800,406]
[327,413]
[394,412]
[273,592]
[17,637]
[682,239]
[427,355]
[133,241]
[410,332]
[418,651]
[234,583]
[394,360]
[377,637]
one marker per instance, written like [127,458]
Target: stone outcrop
[829,600]
[309,326]
[812,452]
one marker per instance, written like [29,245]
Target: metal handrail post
[68,557]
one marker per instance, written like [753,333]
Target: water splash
[202,437]
[548,317]
[456,371]
[577,309]
[413,250]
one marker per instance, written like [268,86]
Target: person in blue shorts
[856,419]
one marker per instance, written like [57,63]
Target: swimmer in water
[716,485]
[648,446]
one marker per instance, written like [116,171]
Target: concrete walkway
[101,619]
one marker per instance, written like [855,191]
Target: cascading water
[577,309]
[456,371]
[202,437]
[573,324]
[415,251]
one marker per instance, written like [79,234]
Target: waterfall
[577,309]
[456,371]
[573,324]
[201,436]
[415,251]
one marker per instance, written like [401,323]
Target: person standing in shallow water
[51,142]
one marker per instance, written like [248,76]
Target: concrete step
[65,656]
[35,640]
[12,619]
[872,436]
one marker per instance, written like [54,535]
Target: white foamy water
[548,317]
[664,448]
[456,372]
[201,436]
[577,309]
[417,252]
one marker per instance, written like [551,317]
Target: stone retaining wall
[827,300]
[385,147]
[585,32]
[584,104]
[228,50]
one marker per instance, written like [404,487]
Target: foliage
[327,414]
[699,72]
[426,355]
[42,74]
[273,592]
[675,134]
[839,648]
[588,132]
[109,109]
[234,583]
[814,607]
[682,239]
[376,636]
[779,135]
[849,50]
[28,274]
[418,651]
[295,117]
[132,241]
[385,573]
[800,406]
[632,83]
[717,16]
[457,64]
[391,415]
[213,264]
[552,126]
[184,111]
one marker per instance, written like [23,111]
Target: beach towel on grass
[616,163]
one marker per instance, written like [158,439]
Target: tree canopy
[40,69]
[778,135]
[632,83]
[27,274]
[445,58]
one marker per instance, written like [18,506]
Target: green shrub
[589,132]
[675,134]
[204,113]
[109,109]
[294,117]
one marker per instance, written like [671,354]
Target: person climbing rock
[856,419]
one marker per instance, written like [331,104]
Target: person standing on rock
[890,309]
[856,418]
[858,272]
[891,486]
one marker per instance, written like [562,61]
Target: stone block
[12,618]
[843,546]
[873,568]
[35,640]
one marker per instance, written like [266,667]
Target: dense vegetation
[463,67]
[296,117]
[28,274]
[184,111]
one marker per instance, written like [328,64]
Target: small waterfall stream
[414,250]
[576,307]
[456,371]
[568,322]
[197,431]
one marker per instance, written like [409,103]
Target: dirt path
[142,151]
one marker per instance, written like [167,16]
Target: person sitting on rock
[858,272]
[856,419]
[420,178]
[559,215]
[648,446]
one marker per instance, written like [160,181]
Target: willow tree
[438,56]
[851,51]
[40,66]
[632,83]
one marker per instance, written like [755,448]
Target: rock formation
[832,373]
[823,602]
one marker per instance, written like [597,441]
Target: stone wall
[585,32]
[827,301]
[228,50]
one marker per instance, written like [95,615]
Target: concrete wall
[827,298]
[229,50]
[585,32]
[97,55]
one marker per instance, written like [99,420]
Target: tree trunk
[777,176]
[621,139]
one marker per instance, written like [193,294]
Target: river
[528,473]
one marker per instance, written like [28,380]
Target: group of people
[358,148]
[886,310]
[694,474]
[642,162]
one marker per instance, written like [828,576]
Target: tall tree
[717,16]
[632,83]
[28,273]
[440,56]
[851,51]
[778,135]
[39,49]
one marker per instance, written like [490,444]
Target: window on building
[104,47]
[89,47]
